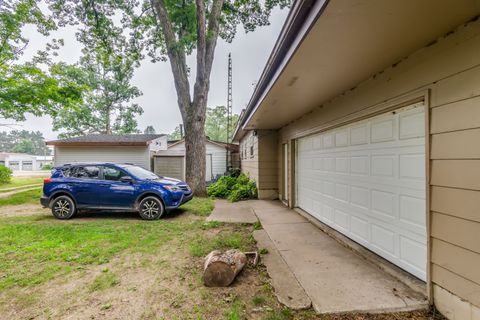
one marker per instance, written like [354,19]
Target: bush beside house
[233,188]
[5,174]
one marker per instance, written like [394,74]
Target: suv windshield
[142,173]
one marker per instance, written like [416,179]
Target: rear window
[84,172]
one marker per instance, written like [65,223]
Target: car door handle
[104,185]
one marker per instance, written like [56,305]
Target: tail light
[48,180]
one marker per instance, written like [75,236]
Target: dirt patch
[23,210]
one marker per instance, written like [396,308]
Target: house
[171,162]
[41,161]
[18,161]
[119,148]
[366,118]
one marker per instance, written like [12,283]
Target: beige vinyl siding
[262,165]
[446,75]
[122,154]
[249,163]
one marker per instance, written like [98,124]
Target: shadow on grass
[120,215]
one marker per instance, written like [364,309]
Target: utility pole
[229,107]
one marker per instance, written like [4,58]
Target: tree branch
[201,82]
[176,56]
[213,31]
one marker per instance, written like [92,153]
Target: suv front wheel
[63,207]
[151,208]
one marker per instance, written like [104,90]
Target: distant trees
[149,130]
[23,141]
[216,124]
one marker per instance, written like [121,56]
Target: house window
[251,151]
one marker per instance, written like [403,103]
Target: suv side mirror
[127,179]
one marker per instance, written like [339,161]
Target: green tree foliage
[106,67]
[176,134]
[23,141]
[149,130]
[216,124]
[28,87]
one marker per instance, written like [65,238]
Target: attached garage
[356,153]
[367,181]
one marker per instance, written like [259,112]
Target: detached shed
[171,162]
[129,148]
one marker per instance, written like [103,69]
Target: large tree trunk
[195,153]
[220,269]
[192,110]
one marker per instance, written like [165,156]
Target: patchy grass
[104,281]
[31,196]
[116,266]
[21,181]
[233,239]
[199,206]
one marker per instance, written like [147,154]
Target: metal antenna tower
[229,98]
[229,110]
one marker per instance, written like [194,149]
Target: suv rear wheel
[151,208]
[63,207]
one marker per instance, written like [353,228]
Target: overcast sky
[159,102]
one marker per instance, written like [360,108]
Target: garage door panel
[367,180]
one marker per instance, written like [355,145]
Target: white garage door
[367,180]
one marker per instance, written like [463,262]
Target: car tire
[151,208]
[63,207]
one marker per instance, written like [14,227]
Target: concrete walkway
[238,212]
[334,277]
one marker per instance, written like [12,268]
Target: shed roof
[107,140]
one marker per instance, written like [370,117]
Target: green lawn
[21,181]
[115,265]
[31,196]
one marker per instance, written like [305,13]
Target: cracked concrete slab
[287,289]
[336,279]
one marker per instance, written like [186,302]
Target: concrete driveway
[308,266]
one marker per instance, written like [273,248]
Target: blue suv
[109,186]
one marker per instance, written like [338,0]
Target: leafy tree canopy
[106,67]
[27,87]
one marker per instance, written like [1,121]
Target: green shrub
[5,174]
[47,166]
[233,188]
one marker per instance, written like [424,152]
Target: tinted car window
[86,172]
[113,174]
[142,173]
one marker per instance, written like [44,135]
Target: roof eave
[302,16]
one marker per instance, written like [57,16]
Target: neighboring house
[42,161]
[127,148]
[18,161]
[171,162]
[367,118]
